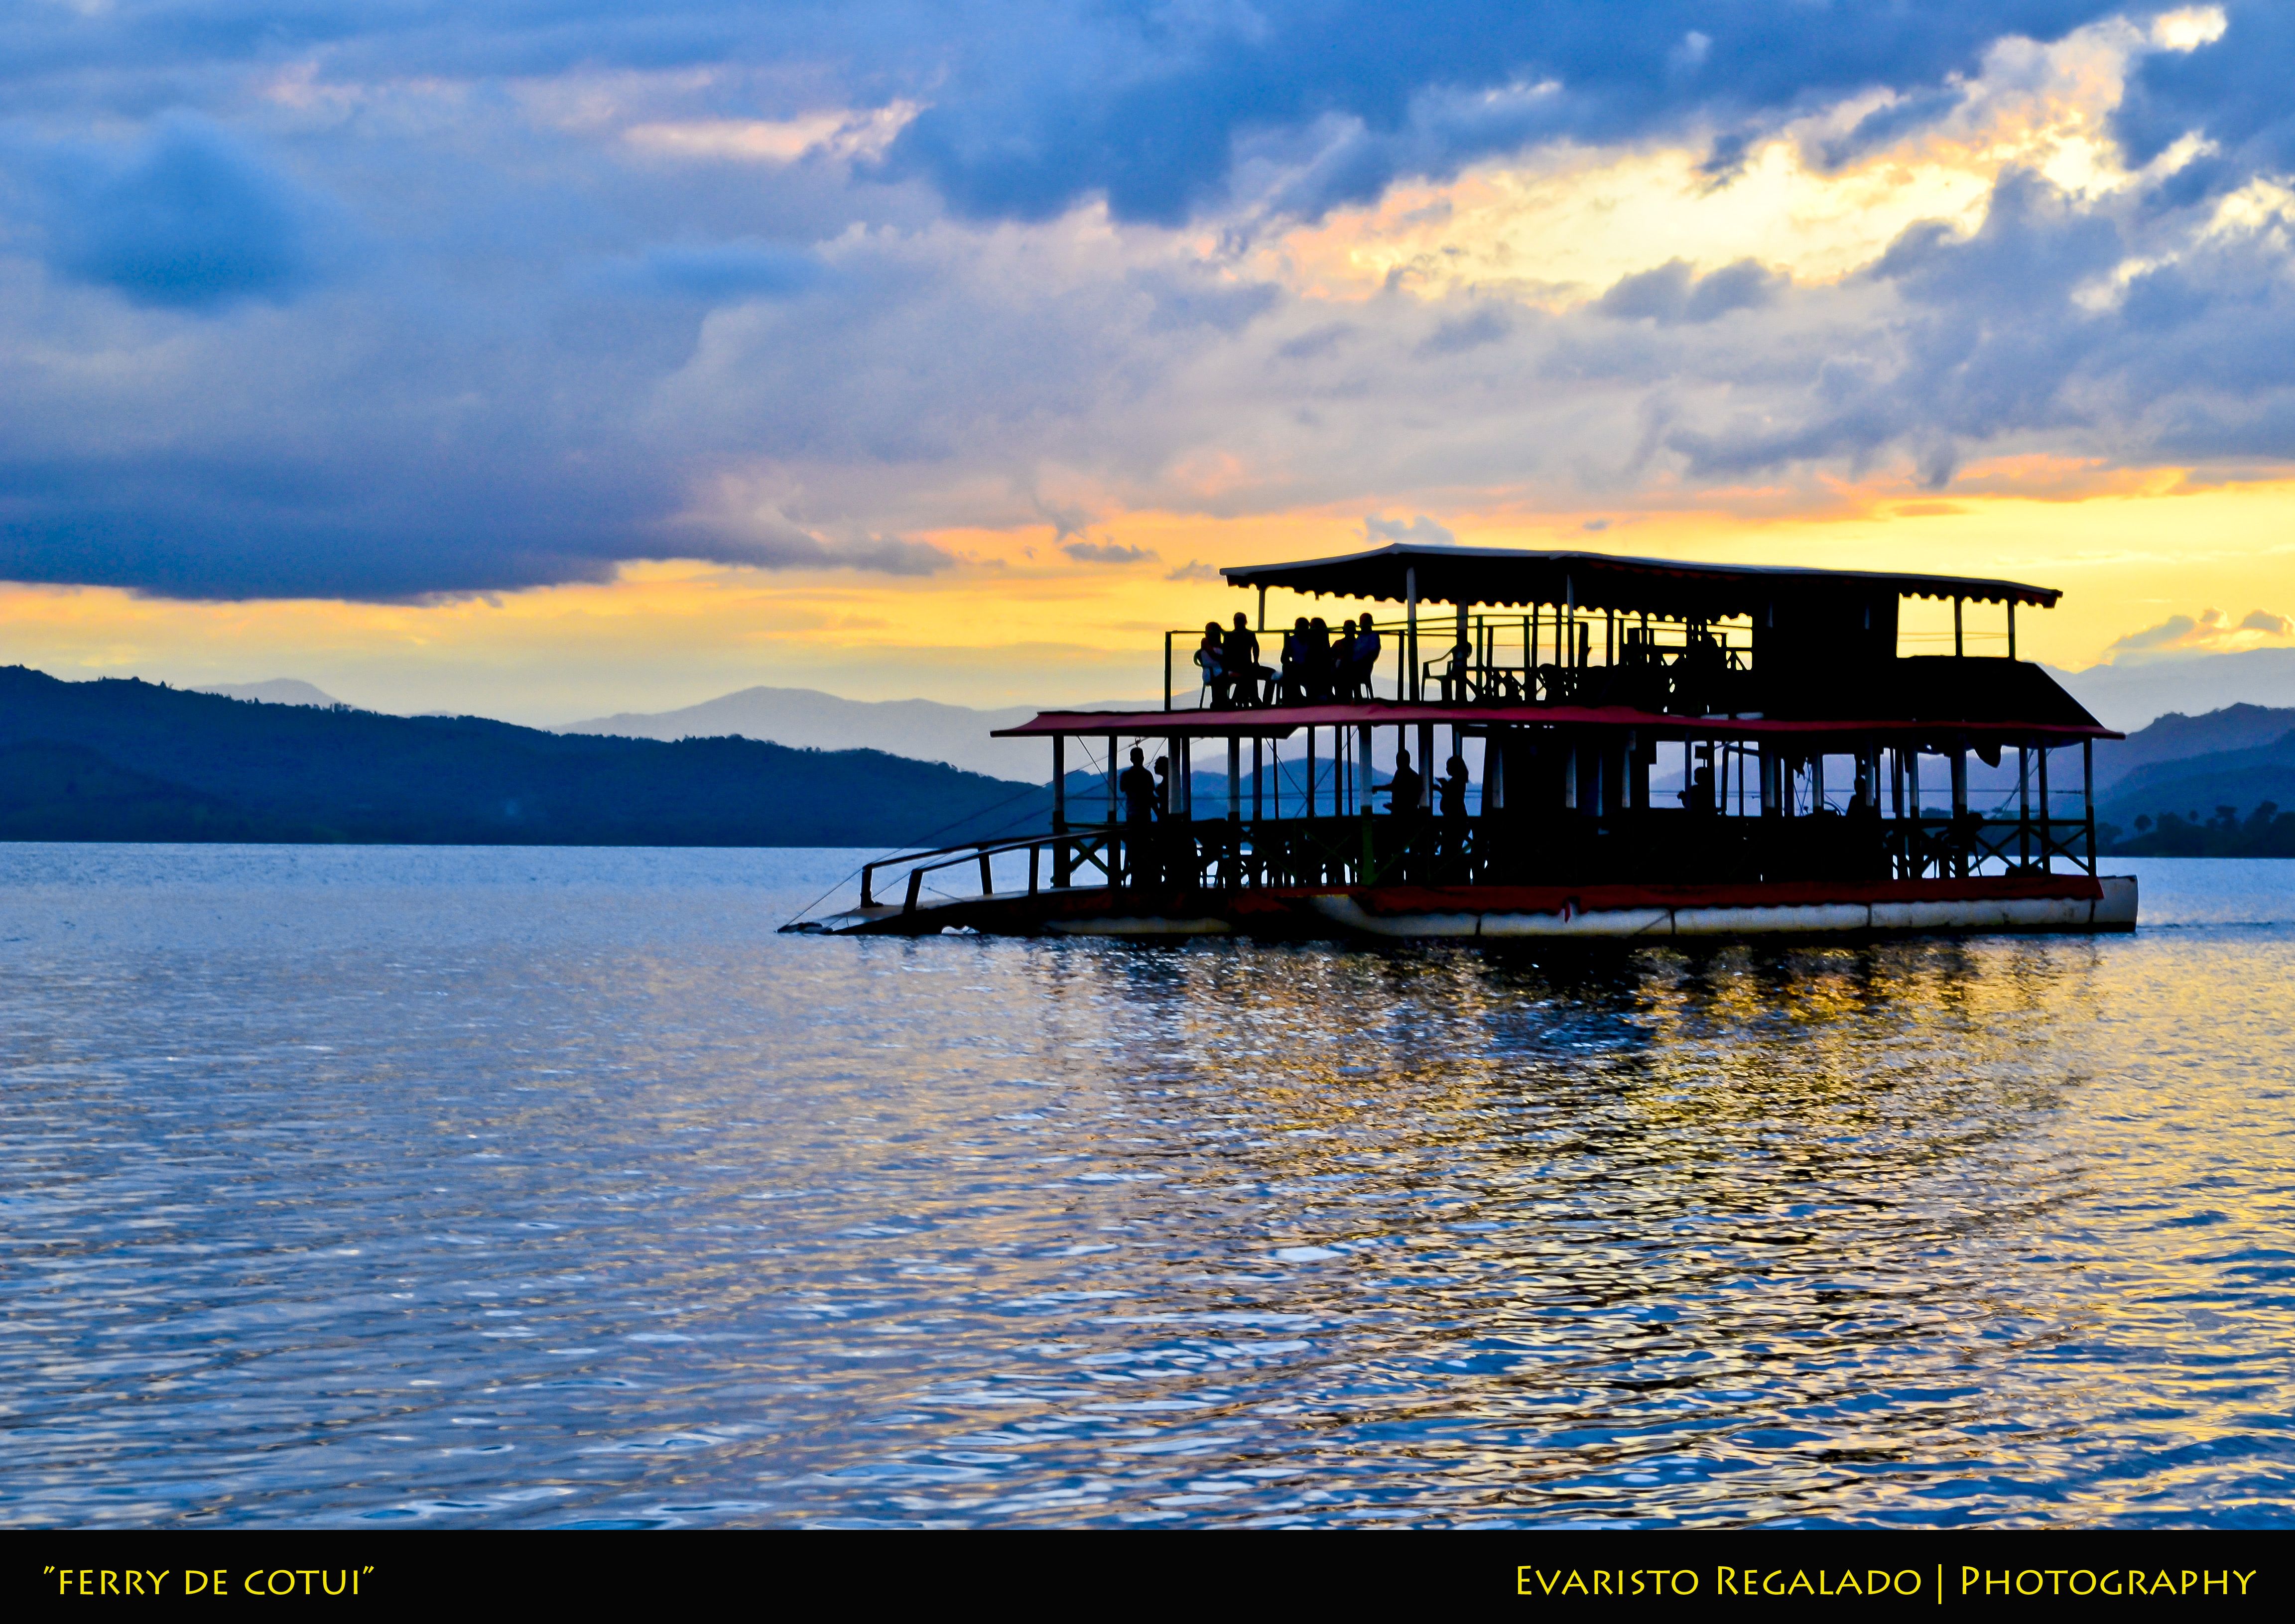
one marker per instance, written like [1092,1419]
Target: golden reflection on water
[436,1200]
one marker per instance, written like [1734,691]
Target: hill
[126,760]
[2225,802]
[2175,737]
[2128,696]
[806,719]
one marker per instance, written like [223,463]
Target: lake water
[367,1186]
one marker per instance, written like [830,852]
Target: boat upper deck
[1567,638]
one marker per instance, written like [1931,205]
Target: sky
[549,358]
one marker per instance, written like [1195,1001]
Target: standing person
[1405,787]
[1363,657]
[1137,786]
[1294,663]
[1319,661]
[1403,790]
[1451,796]
[1240,650]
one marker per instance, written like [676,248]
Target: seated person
[1454,677]
[1211,654]
[1240,649]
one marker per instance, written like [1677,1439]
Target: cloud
[1673,293]
[1158,110]
[717,270]
[191,222]
[1486,325]
[2209,632]
[1197,571]
[612,267]
[1107,553]
[1421,530]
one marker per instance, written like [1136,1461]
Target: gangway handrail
[968,851]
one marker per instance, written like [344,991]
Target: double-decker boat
[1666,750]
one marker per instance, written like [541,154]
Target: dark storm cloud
[299,297]
[190,221]
[1148,104]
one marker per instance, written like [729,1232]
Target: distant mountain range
[2132,696]
[806,719]
[126,760]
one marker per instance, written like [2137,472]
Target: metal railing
[1549,657]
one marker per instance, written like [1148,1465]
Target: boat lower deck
[2060,903]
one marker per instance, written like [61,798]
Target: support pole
[1234,779]
[1059,808]
[1956,649]
[1258,789]
[1167,671]
[2087,795]
[2023,806]
[2047,853]
[2012,628]
[1408,689]
[1310,772]
[1263,610]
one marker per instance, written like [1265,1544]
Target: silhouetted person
[1361,657]
[1319,661]
[1404,791]
[1454,680]
[1405,787]
[1210,654]
[1240,649]
[1698,797]
[1451,799]
[1137,786]
[1451,790]
[1296,662]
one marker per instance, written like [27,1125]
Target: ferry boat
[1666,750]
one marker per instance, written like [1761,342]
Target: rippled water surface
[554,1187]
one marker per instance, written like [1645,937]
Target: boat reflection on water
[404,1186]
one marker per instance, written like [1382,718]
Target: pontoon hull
[2055,904]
